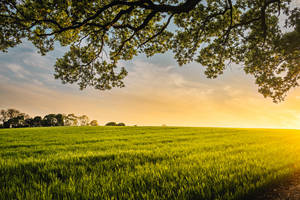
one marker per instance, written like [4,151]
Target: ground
[146,162]
[288,189]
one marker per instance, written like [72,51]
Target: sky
[157,92]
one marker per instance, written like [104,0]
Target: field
[144,162]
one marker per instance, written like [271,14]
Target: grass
[144,162]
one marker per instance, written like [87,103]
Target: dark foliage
[37,121]
[12,118]
[115,124]
[214,33]
[111,124]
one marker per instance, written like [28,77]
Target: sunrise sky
[157,92]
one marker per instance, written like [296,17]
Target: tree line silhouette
[13,118]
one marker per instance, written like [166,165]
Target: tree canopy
[13,118]
[214,33]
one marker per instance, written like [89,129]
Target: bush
[111,124]
[94,123]
[121,124]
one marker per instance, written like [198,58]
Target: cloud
[144,75]
[18,71]
[23,64]
[36,60]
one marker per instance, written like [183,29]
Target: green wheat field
[144,162]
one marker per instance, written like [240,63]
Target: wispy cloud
[35,60]
[18,71]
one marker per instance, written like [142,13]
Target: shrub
[121,124]
[111,124]
[94,123]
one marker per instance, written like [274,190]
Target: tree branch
[160,32]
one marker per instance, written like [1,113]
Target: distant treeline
[12,118]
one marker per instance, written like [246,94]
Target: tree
[3,116]
[121,124]
[29,122]
[210,32]
[111,124]
[15,122]
[50,120]
[60,119]
[37,121]
[10,113]
[71,120]
[94,123]
[83,120]
[13,118]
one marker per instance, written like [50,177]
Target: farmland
[144,162]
